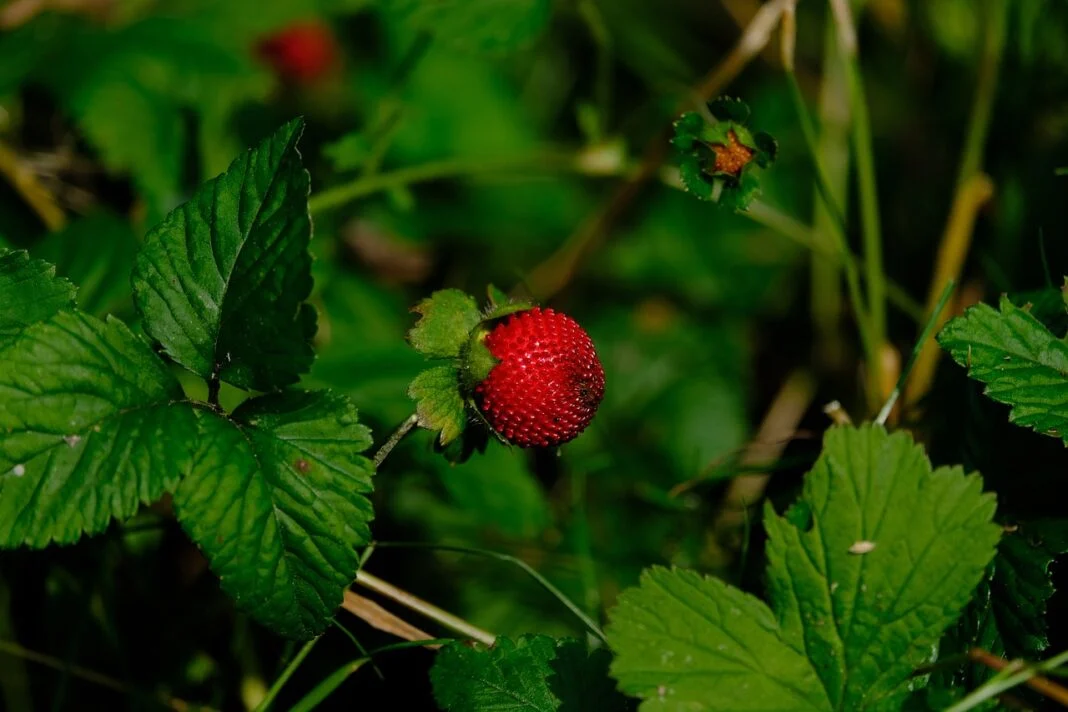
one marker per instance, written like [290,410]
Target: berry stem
[396,437]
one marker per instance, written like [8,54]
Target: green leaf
[446,320]
[865,572]
[892,556]
[1022,584]
[689,642]
[1007,616]
[277,500]
[438,403]
[221,282]
[534,673]
[1022,364]
[90,429]
[29,292]
[96,253]
[484,26]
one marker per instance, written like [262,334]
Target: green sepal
[727,108]
[446,320]
[438,403]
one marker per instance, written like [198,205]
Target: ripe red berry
[549,381]
[301,52]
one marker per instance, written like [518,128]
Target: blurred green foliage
[120,108]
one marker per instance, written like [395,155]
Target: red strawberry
[301,52]
[548,383]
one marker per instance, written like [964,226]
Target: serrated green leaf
[865,573]
[1022,364]
[693,177]
[535,672]
[90,429]
[508,676]
[221,282]
[1023,584]
[1007,615]
[277,500]
[446,319]
[29,292]
[483,26]
[438,403]
[689,642]
[892,556]
[96,253]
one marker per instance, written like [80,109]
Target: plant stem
[291,668]
[438,170]
[804,236]
[396,437]
[1010,675]
[932,321]
[429,610]
[973,187]
[832,149]
[866,325]
[866,184]
[545,583]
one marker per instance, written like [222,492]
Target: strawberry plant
[355,354]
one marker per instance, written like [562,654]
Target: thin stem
[454,623]
[973,187]
[438,170]
[832,148]
[866,184]
[1011,674]
[291,668]
[804,236]
[545,583]
[396,437]
[865,324]
[932,321]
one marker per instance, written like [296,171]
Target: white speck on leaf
[18,470]
[862,547]
[73,440]
[834,586]
[661,691]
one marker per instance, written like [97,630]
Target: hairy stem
[396,437]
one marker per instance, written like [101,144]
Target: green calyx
[720,159]
[451,331]
[476,361]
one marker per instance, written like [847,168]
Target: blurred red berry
[301,52]
[548,383]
